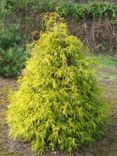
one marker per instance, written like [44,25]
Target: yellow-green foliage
[57,105]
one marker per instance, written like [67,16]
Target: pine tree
[58,103]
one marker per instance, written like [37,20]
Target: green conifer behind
[58,104]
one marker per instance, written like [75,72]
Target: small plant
[12,53]
[12,61]
[58,104]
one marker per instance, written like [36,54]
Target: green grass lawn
[107,61]
[107,67]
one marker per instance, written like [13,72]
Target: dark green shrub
[12,53]
[9,38]
[58,104]
[12,61]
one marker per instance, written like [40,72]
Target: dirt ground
[105,147]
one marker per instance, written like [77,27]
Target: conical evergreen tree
[58,104]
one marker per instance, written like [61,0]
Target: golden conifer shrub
[58,104]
